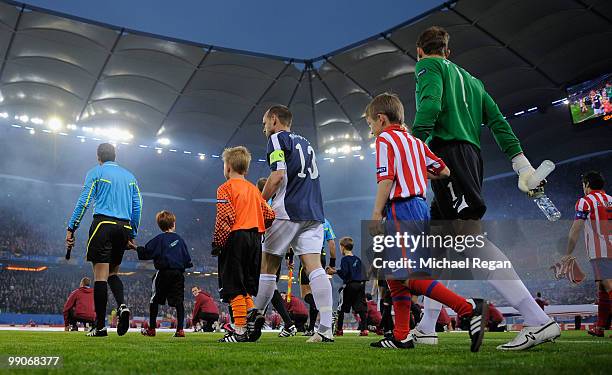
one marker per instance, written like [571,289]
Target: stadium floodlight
[345,149]
[331,160]
[32,131]
[87,129]
[72,127]
[331,138]
[82,140]
[372,145]
[3,114]
[202,156]
[163,141]
[361,157]
[356,148]
[36,120]
[115,134]
[159,150]
[55,123]
[24,118]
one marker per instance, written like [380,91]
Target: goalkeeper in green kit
[451,106]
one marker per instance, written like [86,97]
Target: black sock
[180,316]
[100,299]
[340,322]
[231,313]
[363,324]
[312,311]
[279,306]
[116,287]
[153,310]
[387,318]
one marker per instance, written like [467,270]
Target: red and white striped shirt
[596,209]
[405,160]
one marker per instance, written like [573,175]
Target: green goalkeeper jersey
[452,105]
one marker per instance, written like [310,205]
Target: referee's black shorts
[239,264]
[168,285]
[353,296]
[108,238]
[460,195]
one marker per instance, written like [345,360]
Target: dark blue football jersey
[299,196]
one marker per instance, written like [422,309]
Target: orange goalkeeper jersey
[240,206]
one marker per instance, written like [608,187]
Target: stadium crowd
[46,291]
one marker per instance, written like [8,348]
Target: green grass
[579,116]
[201,354]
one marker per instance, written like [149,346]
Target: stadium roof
[205,97]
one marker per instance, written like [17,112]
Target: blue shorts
[409,216]
[602,268]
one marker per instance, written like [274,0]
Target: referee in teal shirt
[117,209]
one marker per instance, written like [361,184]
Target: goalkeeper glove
[523,168]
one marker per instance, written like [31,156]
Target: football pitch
[574,352]
[578,116]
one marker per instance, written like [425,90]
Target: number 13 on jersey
[313,171]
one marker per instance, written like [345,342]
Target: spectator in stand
[495,319]
[541,301]
[79,307]
[205,311]
[297,310]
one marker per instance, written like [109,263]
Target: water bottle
[536,191]
[546,205]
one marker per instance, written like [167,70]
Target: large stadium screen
[589,101]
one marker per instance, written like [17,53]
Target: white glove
[523,168]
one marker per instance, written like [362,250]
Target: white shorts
[305,237]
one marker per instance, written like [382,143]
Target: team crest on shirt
[381,170]
[421,72]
